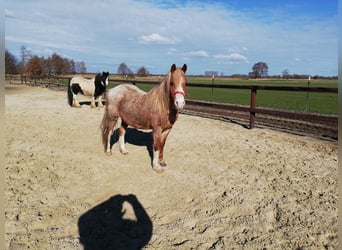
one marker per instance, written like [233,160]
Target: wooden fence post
[252,107]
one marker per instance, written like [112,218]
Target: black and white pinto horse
[94,87]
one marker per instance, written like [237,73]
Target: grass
[325,103]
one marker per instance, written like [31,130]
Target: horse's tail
[70,95]
[104,129]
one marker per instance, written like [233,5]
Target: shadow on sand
[136,137]
[88,103]
[103,227]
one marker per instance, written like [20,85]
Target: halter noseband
[178,92]
[175,92]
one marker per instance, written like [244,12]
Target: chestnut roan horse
[156,110]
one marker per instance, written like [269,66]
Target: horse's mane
[160,95]
[98,77]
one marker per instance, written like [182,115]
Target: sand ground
[225,187]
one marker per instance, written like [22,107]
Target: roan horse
[156,110]
[94,87]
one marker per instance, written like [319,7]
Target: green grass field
[325,103]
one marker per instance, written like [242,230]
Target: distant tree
[260,69]
[11,63]
[142,71]
[124,70]
[57,63]
[285,73]
[34,67]
[68,66]
[81,67]
[72,66]
[47,66]
[25,55]
[211,73]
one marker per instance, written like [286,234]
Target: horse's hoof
[159,170]
[108,153]
[123,151]
[163,164]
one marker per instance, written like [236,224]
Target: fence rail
[252,109]
[331,120]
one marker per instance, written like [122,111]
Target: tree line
[124,70]
[33,65]
[55,64]
[259,69]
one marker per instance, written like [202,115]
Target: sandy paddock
[225,187]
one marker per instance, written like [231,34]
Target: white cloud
[236,57]
[156,38]
[198,53]
[9,13]
[172,51]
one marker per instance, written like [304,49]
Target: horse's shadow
[103,227]
[88,103]
[135,137]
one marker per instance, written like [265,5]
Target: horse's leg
[156,150]
[110,128]
[122,132]
[99,101]
[92,105]
[75,103]
[162,144]
[107,127]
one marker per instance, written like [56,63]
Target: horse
[156,110]
[94,87]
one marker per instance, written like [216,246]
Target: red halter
[178,92]
[173,92]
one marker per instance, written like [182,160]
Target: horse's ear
[173,68]
[184,68]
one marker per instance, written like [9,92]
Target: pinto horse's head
[102,78]
[105,75]
[178,85]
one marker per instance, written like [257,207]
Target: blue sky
[225,36]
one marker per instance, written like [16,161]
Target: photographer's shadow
[103,227]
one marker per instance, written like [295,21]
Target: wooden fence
[54,82]
[252,109]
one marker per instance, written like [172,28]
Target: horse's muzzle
[179,101]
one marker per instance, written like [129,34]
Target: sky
[229,37]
